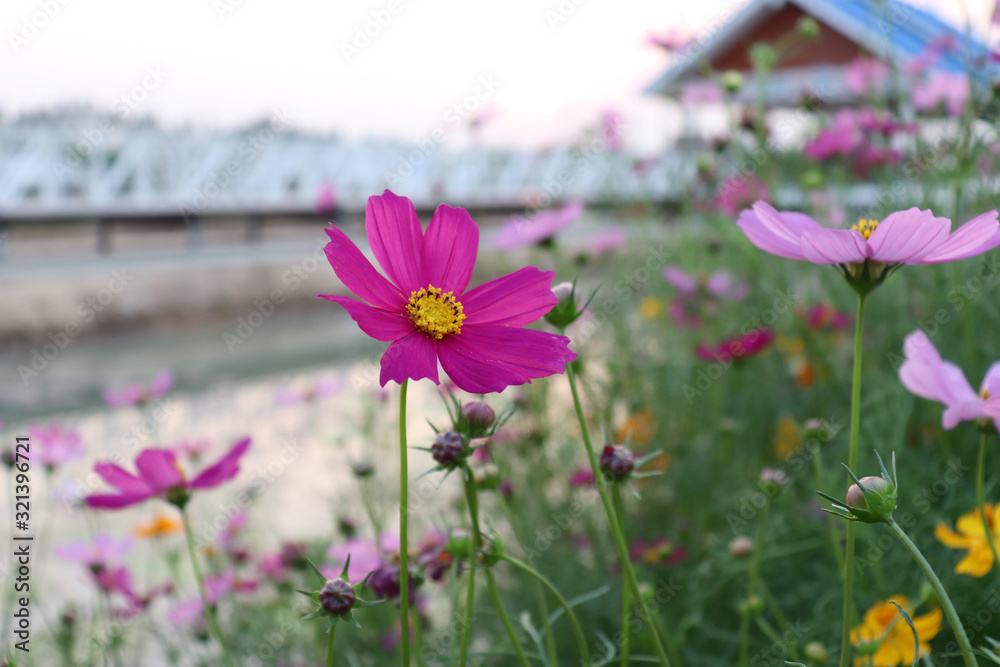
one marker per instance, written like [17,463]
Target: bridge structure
[87,167]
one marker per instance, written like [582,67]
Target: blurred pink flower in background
[701,93]
[581,477]
[739,191]
[519,231]
[366,556]
[217,587]
[682,281]
[137,394]
[823,315]
[326,198]
[55,444]
[722,285]
[866,75]
[942,88]
[611,129]
[659,552]
[737,347]
[104,549]
[607,240]
[670,40]
[193,448]
[309,392]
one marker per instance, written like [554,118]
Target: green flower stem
[581,639]
[754,574]
[628,572]
[942,595]
[329,645]
[616,497]
[209,614]
[472,498]
[852,462]
[981,499]
[404,556]
[543,610]
[470,595]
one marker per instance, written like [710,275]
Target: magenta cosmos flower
[161,475]
[927,375]
[55,444]
[540,228]
[423,307]
[138,394]
[870,250]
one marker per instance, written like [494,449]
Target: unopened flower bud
[617,461]
[808,27]
[347,526]
[566,311]
[752,606]
[448,448]
[7,456]
[337,597]
[479,415]
[732,81]
[740,547]
[856,497]
[815,652]
[563,291]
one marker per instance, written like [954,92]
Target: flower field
[756,426]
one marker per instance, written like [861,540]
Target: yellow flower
[640,425]
[979,560]
[650,307]
[160,525]
[787,439]
[884,638]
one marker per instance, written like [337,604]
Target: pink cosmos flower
[905,237]
[137,394]
[326,198]
[366,557]
[865,75]
[519,231]
[737,347]
[942,88]
[104,549]
[701,93]
[160,475]
[55,444]
[669,41]
[925,374]
[824,315]
[607,240]
[423,307]
[309,392]
[738,191]
[611,129]
[582,477]
[722,285]
[217,587]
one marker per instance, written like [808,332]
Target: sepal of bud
[870,499]
[568,310]
[337,598]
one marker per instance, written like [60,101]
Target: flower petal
[114,500]
[776,233]
[516,299]
[906,236]
[918,346]
[158,468]
[377,323]
[121,478]
[977,563]
[413,357]
[980,234]
[225,469]
[834,246]
[358,274]
[450,247]
[396,238]
[963,412]
[950,538]
[488,358]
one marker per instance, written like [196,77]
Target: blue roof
[888,29]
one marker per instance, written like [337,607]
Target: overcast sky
[225,62]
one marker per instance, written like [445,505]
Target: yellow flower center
[984,393]
[434,312]
[865,227]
